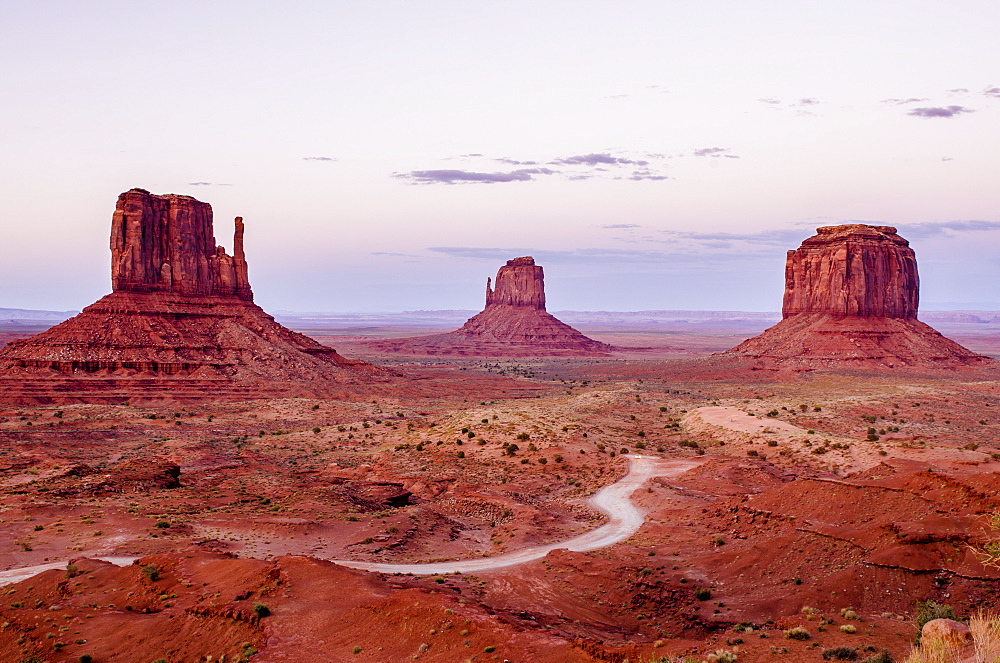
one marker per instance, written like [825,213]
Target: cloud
[958,90]
[911,100]
[575,167]
[207,184]
[714,152]
[639,175]
[992,92]
[318,159]
[778,237]
[514,162]
[455,176]
[808,101]
[615,226]
[587,255]
[392,254]
[940,111]
[595,159]
[769,100]
[945,228]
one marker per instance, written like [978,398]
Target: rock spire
[166,244]
[514,323]
[519,283]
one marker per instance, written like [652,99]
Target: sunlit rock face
[852,270]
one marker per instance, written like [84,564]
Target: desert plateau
[186,479]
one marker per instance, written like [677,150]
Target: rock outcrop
[180,324]
[166,244]
[513,324]
[852,270]
[851,295]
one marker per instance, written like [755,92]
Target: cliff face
[166,244]
[852,270]
[850,301]
[519,283]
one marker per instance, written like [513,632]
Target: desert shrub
[882,657]
[848,628]
[490,649]
[460,454]
[797,633]
[72,570]
[703,593]
[152,572]
[261,610]
[162,524]
[721,656]
[86,658]
[840,654]
[524,437]
[356,650]
[928,610]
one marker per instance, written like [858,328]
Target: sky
[390,155]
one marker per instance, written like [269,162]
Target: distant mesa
[180,324]
[513,324]
[851,295]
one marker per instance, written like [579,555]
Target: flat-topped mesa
[852,270]
[850,301]
[167,244]
[519,283]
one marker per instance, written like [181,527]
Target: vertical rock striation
[179,325]
[513,324]
[851,295]
[166,244]
[852,270]
[519,283]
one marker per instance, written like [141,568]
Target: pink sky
[391,155]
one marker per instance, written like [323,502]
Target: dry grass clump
[985,644]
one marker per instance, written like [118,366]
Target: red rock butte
[179,325]
[513,324]
[851,295]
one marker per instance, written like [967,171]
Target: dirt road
[615,501]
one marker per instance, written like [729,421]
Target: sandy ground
[615,501]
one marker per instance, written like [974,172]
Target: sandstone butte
[851,295]
[179,324]
[513,324]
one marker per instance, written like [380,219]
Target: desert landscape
[186,479]
[499,332]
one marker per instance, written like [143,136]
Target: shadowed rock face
[166,244]
[513,324]
[851,295]
[852,270]
[180,325]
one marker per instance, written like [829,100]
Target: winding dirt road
[614,501]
